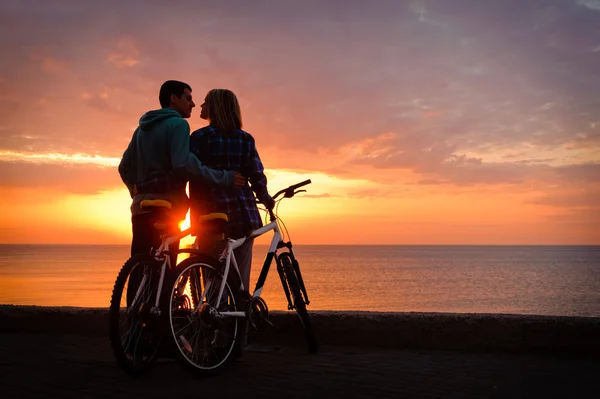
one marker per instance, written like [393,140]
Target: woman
[223,145]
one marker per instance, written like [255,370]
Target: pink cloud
[77,179]
[50,64]
[312,81]
[126,54]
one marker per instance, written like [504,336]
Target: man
[158,163]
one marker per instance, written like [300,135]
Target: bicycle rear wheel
[135,331]
[203,339]
[298,301]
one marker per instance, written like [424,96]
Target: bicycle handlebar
[290,191]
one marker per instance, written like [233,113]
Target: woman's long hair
[223,109]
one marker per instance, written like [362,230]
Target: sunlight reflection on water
[547,280]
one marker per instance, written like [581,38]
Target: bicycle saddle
[155,203]
[163,207]
[213,216]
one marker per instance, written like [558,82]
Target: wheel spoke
[133,336]
[209,340]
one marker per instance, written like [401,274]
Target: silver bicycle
[208,299]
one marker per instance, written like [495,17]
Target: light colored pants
[243,256]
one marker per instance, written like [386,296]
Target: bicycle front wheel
[298,301]
[135,330]
[203,337]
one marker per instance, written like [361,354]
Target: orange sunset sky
[419,122]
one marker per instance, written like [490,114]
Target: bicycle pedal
[258,314]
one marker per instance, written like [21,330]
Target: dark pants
[146,238]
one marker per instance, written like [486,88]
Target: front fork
[296,267]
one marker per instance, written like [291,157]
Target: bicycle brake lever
[299,191]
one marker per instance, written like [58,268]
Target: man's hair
[224,109]
[171,87]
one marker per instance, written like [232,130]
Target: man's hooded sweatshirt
[158,163]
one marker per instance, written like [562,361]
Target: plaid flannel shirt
[235,151]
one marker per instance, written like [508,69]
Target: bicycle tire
[296,292]
[194,333]
[136,352]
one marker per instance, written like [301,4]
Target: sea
[528,280]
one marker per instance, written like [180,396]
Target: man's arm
[126,166]
[187,166]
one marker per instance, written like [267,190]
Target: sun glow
[57,158]
[188,240]
[332,210]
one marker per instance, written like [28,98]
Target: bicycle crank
[258,314]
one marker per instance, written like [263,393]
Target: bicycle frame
[229,256]
[161,252]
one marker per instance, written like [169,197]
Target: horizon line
[339,245]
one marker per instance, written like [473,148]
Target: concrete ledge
[449,331]
[440,331]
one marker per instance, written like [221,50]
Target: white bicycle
[208,298]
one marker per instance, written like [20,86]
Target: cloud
[63,159]
[591,4]
[324,195]
[583,173]
[588,217]
[48,63]
[102,102]
[73,178]
[126,54]
[582,198]
[472,99]
[51,64]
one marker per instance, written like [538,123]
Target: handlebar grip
[304,183]
[289,192]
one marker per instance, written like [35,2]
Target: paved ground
[38,365]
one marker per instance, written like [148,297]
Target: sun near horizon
[328,216]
